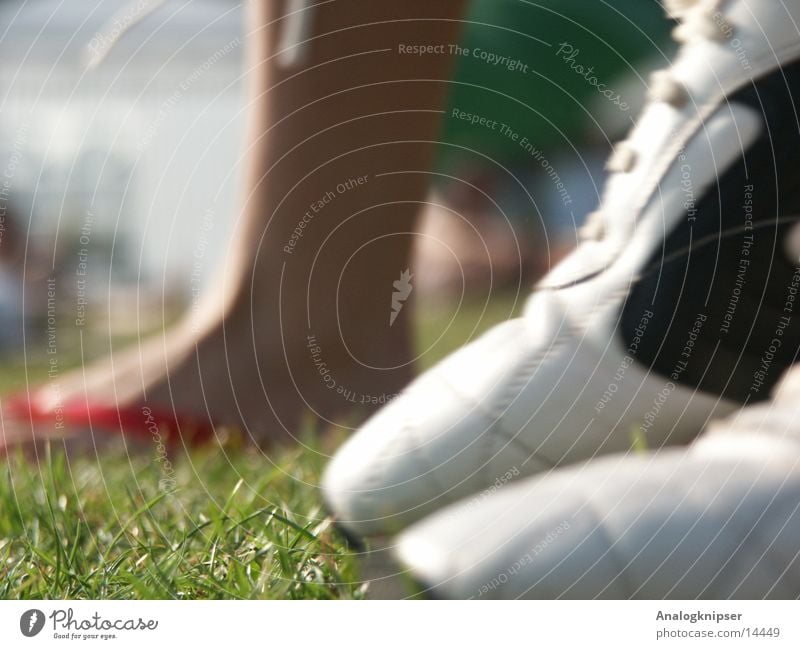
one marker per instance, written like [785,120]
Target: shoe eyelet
[677,8]
[665,88]
[593,229]
[622,160]
[711,27]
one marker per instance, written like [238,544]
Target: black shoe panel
[722,289]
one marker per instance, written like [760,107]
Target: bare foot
[337,148]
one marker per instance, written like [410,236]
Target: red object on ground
[136,421]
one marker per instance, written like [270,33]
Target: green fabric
[548,101]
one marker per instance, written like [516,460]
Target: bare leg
[300,322]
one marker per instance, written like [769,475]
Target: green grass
[236,524]
[232,527]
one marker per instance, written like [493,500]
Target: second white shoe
[719,521]
[661,319]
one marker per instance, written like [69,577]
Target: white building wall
[149,141]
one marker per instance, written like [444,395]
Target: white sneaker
[665,315]
[719,521]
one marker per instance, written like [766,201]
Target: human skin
[298,324]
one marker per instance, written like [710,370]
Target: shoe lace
[698,20]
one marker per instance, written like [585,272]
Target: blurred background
[134,165]
[121,171]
